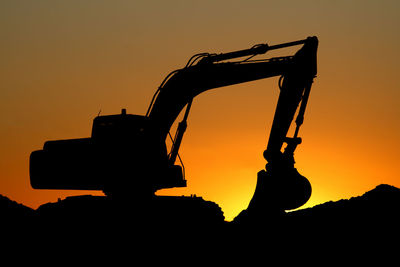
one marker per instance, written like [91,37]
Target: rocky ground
[370,220]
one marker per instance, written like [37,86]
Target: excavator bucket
[278,190]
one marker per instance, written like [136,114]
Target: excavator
[127,155]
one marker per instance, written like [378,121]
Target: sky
[62,62]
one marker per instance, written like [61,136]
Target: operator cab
[125,126]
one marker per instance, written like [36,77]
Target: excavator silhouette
[126,155]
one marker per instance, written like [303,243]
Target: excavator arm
[297,74]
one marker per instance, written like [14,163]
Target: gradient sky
[64,61]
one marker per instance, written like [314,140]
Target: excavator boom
[297,71]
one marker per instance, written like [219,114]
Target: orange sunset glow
[63,62]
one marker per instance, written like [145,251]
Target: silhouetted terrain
[381,203]
[374,214]
[11,211]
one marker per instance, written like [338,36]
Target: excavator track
[159,212]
